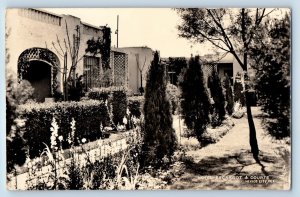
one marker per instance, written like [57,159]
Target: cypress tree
[238,89]
[195,102]
[217,95]
[159,139]
[228,95]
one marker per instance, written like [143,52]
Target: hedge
[88,116]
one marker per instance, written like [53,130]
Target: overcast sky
[155,28]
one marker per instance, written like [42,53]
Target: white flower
[125,120]
[60,138]
[54,133]
[83,140]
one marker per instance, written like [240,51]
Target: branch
[144,64]
[68,36]
[226,38]
[59,44]
[57,50]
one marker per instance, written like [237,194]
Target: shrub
[228,95]
[195,103]
[238,89]
[159,139]
[135,104]
[100,94]
[16,94]
[76,91]
[119,106]
[88,115]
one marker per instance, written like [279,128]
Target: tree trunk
[252,130]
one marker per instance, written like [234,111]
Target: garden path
[228,164]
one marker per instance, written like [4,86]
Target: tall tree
[195,103]
[271,61]
[159,139]
[216,92]
[231,31]
[228,95]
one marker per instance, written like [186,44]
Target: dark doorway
[39,75]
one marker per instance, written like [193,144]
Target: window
[91,71]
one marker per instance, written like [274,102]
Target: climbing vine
[101,46]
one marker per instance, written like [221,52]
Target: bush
[116,98]
[88,116]
[119,106]
[77,91]
[228,95]
[238,89]
[16,94]
[135,104]
[100,94]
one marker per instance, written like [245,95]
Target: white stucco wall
[145,54]
[33,28]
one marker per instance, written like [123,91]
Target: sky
[152,27]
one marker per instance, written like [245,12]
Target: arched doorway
[39,66]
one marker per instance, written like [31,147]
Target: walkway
[228,164]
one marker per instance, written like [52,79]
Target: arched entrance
[39,66]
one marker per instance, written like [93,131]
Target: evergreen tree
[195,102]
[159,139]
[238,89]
[217,95]
[228,95]
[272,66]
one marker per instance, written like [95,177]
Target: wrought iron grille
[120,69]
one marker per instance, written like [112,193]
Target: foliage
[88,115]
[228,95]
[173,95]
[135,104]
[82,170]
[159,139]
[99,94]
[195,103]
[101,46]
[272,65]
[238,89]
[76,91]
[176,65]
[216,92]
[211,26]
[16,94]
[119,106]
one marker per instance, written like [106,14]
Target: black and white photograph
[148,98]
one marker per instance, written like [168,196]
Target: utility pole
[117,31]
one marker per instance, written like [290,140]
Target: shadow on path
[231,171]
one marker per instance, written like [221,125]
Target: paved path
[226,164]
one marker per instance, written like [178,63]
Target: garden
[202,132]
